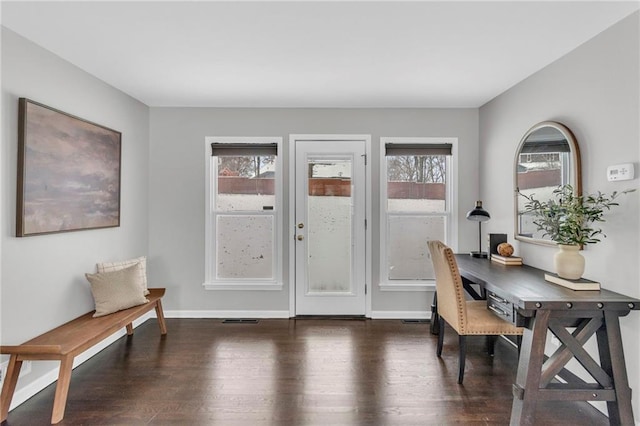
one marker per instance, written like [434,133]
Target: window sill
[408,286]
[242,286]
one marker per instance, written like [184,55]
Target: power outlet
[26,369]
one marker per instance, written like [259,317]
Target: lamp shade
[478,214]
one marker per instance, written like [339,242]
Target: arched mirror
[547,157]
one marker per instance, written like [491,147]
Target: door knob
[300,237]
[301,225]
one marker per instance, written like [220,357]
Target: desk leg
[612,361]
[525,390]
[9,386]
[467,284]
[435,329]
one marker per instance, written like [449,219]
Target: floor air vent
[240,321]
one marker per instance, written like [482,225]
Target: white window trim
[450,216]
[210,282]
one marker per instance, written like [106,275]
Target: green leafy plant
[569,219]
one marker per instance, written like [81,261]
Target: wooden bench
[64,343]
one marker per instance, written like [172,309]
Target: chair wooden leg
[491,344]
[463,355]
[440,336]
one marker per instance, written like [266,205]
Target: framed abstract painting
[68,172]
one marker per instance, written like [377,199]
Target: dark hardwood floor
[292,372]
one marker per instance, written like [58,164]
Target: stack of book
[579,284]
[504,260]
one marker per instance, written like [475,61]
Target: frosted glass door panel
[329,221]
[407,246]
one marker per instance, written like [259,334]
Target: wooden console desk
[520,294]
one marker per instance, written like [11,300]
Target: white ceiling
[312,54]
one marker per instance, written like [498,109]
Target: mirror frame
[575,177]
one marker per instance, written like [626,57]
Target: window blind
[417,149]
[239,149]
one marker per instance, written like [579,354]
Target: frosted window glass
[407,246]
[237,202]
[245,247]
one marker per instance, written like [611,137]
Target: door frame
[291,225]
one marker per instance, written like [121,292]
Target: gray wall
[593,90]
[177,179]
[42,277]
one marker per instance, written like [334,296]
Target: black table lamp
[478,214]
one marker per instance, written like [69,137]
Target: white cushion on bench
[116,266]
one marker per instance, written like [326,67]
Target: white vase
[568,261]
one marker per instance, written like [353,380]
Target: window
[416,206]
[244,214]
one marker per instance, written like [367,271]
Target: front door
[330,227]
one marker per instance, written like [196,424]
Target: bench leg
[160,315]
[9,386]
[130,329]
[62,389]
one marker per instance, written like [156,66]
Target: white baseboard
[226,314]
[401,314]
[285,314]
[24,393]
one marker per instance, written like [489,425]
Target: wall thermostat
[620,172]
